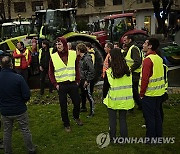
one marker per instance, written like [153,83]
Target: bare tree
[2,11]
[162,14]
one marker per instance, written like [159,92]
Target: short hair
[82,48]
[154,42]
[22,44]
[129,36]
[46,42]
[6,62]
[110,45]
[88,44]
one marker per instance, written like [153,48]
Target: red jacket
[24,64]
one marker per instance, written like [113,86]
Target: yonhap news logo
[103,140]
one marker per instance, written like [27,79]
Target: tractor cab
[8,30]
[54,23]
[117,25]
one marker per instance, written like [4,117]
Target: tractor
[117,26]
[51,24]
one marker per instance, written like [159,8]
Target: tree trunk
[9,9]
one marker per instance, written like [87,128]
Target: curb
[173,90]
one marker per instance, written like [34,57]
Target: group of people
[131,75]
[124,72]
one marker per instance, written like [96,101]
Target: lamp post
[122,6]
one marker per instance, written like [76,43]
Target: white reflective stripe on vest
[65,75]
[121,87]
[157,79]
[121,98]
[63,69]
[156,87]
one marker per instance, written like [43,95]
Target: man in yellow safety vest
[22,57]
[64,75]
[152,87]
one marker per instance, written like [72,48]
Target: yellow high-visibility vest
[156,85]
[18,60]
[40,53]
[165,78]
[64,72]
[130,61]
[92,53]
[120,94]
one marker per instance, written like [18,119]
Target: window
[147,23]
[99,2]
[139,1]
[1,7]
[37,5]
[19,7]
[81,3]
[117,2]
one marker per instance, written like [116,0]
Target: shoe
[1,146]
[32,152]
[90,115]
[83,110]
[67,129]
[78,122]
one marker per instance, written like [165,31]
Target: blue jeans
[23,124]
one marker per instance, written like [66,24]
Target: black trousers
[70,89]
[151,107]
[136,96]
[23,72]
[42,81]
[113,123]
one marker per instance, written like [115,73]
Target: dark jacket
[137,61]
[45,57]
[14,93]
[87,71]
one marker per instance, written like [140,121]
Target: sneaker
[90,115]
[83,110]
[67,129]
[78,122]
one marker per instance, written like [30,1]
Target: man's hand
[41,68]
[85,84]
[24,54]
[57,87]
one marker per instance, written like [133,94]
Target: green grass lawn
[49,135]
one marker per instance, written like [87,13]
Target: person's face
[146,46]
[59,46]
[44,45]
[126,40]
[19,46]
[106,48]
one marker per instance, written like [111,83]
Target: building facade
[88,10]
[93,10]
